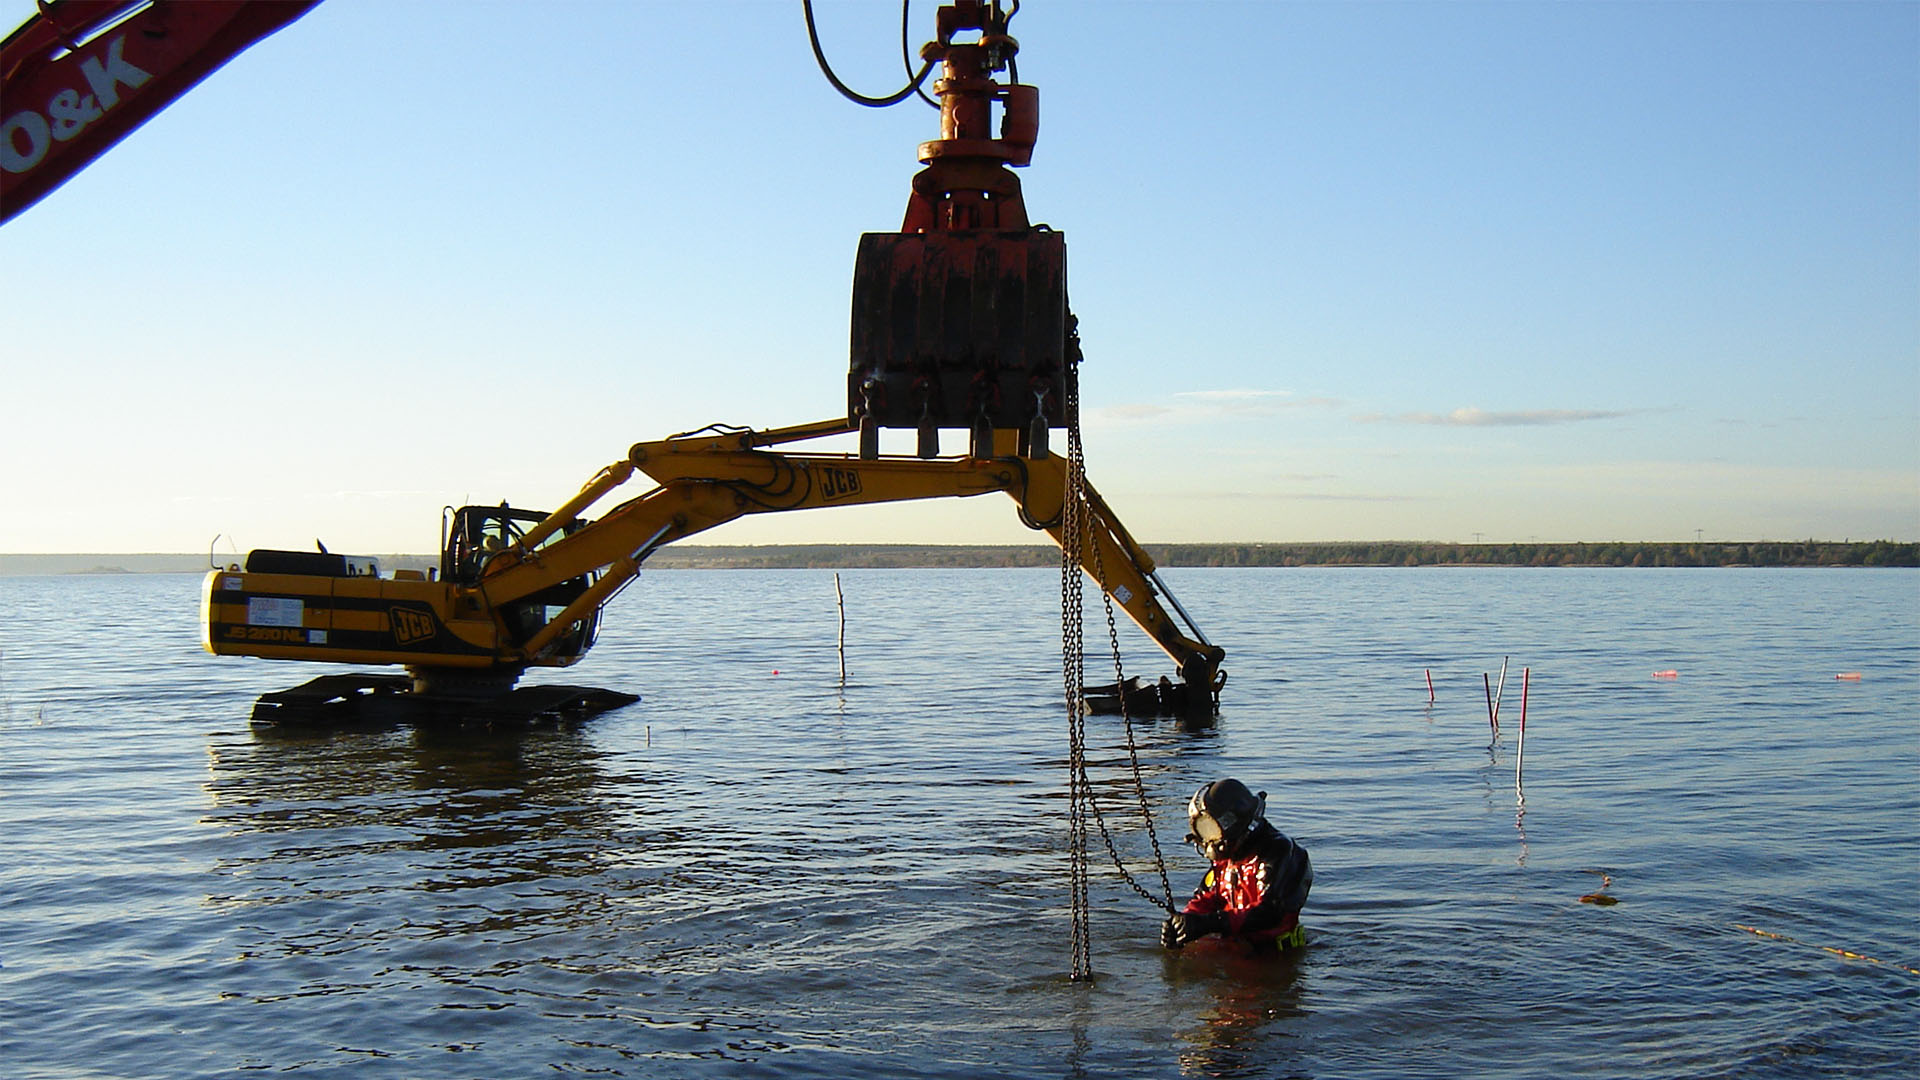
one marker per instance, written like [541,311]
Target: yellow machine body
[368,619]
[532,595]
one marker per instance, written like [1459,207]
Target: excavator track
[372,699]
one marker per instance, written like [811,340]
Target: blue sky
[1344,271]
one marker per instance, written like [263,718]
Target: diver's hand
[1184,926]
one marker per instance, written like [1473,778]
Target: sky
[1451,272]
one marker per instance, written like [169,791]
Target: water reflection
[504,827]
[1239,1034]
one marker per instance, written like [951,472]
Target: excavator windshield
[477,533]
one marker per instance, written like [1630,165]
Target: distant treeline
[849,556]
[1622,553]
[1382,553]
[1379,553]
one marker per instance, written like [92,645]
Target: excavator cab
[472,535]
[475,532]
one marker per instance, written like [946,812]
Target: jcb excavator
[960,321]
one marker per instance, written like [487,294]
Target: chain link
[1077,466]
[1073,673]
[1074,538]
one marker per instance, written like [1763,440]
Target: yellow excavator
[959,322]
[518,589]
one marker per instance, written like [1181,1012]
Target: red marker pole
[1429,686]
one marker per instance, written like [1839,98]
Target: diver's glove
[1184,926]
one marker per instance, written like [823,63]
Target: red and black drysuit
[1255,896]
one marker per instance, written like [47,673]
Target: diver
[1259,880]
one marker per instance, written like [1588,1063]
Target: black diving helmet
[1219,817]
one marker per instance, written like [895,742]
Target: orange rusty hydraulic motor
[960,318]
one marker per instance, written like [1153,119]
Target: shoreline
[1729,554]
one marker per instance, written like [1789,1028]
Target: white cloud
[1473,417]
[1200,406]
[1133,412]
[1233,395]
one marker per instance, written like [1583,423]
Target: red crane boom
[81,74]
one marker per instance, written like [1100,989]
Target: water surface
[757,872]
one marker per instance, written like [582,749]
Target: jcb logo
[410,626]
[838,483]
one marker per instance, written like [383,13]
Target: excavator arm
[706,480]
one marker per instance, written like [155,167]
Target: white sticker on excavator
[274,611]
[1122,593]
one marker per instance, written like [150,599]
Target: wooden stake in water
[1429,686]
[1493,723]
[840,598]
[1499,692]
[1520,755]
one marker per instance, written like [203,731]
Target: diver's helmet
[1219,817]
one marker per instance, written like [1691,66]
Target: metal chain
[1076,471]
[1133,754]
[1072,671]
[1074,528]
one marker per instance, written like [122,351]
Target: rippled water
[751,873]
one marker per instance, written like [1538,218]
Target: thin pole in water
[1429,686]
[1500,692]
[840,598]
[1520,755]
[1493,722]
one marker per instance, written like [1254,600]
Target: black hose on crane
[819,55]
